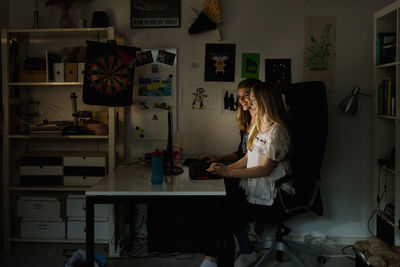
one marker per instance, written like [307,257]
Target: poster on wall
[250,65]
[320,50]
[199,96]
[278,71]
[155,13]
[220,62]
[155,74]
[229,101]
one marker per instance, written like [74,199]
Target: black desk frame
[91,200]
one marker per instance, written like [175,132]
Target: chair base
[287,247]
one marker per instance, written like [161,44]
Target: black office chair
[309,124]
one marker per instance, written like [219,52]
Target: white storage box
[41,170]
[81,71]
[38,207]
[76,207]
[39,228]
[58,71]
[76,228]
[81,180]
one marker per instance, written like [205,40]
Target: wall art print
[250,65]
[199,96]
[155,13]
[109,72]
[320,50]
[220,62]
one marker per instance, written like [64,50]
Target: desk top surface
[135,180]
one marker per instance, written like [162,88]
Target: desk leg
[89,232]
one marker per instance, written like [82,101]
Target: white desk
[133,184]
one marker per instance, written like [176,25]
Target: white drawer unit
[39,228]
[76,207]
[76,228]
[81,180]
[41,170]
[88,161]
[84,169]
[38,207]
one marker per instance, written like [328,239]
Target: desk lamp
[350,103]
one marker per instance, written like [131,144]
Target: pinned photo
[165,57]
[144,57]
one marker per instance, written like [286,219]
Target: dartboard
[109,75]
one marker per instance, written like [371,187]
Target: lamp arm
[363,94]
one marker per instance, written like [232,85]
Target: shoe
[207,263]
[245,260]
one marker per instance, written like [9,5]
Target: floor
[54,255]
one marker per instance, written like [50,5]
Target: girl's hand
[220,169]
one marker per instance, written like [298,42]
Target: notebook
[198,169]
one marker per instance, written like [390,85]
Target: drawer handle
[42,226]
[37,206]
[41,167]
[84,177]
[84,157]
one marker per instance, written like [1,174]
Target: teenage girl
[265,163]
[244,120]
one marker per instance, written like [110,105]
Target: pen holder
[156,167]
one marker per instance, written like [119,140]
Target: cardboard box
[32,76]
[71,72]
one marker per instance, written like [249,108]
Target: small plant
[320,51]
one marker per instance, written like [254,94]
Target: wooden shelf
[50,240]
[49,188]
[20,136]
[45,84]
[387,117]
[387,65]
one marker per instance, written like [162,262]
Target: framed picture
[220,62]
[278,71]
[155,13]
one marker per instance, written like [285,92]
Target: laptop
[198,169]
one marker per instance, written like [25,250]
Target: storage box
[32,76]
[89,161]
[71,72]
[76,207]
[81,71]
[39,228]
[58,72]
[38,207]
[76,228]
[41,170]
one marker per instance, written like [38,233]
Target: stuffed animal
[378,252]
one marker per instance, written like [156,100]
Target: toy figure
[200,94]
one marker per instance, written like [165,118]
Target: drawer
[41,170]
[85,161]
[81,180]
[54,228]
[37,207]
[39,161]
[76,229]
[45,180]
[76,207]
[84,171]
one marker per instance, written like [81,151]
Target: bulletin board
[155,91]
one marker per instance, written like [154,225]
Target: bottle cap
[156,153]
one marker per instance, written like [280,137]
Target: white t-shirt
[273,144]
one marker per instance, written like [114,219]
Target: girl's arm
[264,169]
[240,164]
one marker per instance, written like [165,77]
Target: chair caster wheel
[321,259]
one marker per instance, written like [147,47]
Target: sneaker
[207,263]
[245,260]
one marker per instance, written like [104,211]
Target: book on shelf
[386,98]
[385,47]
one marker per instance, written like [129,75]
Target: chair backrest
[309,125]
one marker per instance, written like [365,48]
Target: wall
[274,29]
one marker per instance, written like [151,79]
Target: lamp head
[350,103]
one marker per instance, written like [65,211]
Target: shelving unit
[386,74]
[16,142]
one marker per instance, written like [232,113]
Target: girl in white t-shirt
[265,162]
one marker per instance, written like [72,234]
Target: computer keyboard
[198,169]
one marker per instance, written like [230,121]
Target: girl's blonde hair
[243,118]
[270,107]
